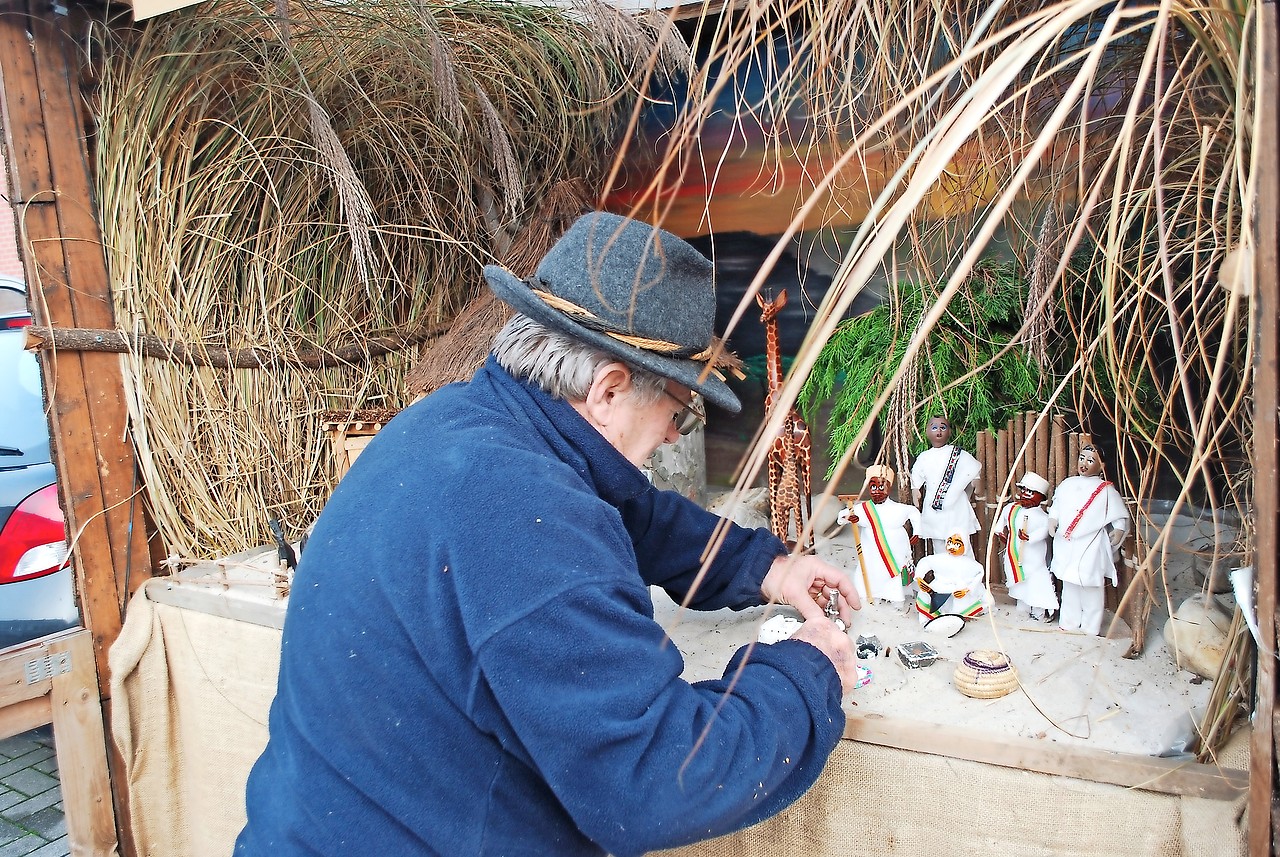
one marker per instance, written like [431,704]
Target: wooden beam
[51,193]
[53,203]
[15,687]
[80,742]
[24,716]
[1167,776]
[1266,470]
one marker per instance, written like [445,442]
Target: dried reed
[307,184]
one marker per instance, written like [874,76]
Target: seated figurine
[883,539]
[950,582]
[1021,530]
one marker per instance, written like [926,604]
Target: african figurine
[1089,521]
[882,536]
[942,480]
[1021,531]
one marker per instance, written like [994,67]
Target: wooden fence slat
[80,741]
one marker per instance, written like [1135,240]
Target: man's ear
[611,384]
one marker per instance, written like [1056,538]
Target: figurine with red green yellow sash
[1021,530]
[1089,523]
[951,582]
[882,537]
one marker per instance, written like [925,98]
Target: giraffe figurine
[790,501]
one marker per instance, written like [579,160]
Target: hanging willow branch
[148,345]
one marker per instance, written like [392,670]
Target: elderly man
[470,661]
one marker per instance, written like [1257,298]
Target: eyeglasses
[690,414]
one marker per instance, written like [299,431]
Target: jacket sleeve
[670,533]
[639,758]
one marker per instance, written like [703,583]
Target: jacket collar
[574,440]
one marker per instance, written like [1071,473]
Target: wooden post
[1059,467]
[1263,823]
[52,198]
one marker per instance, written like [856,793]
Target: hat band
[660,346]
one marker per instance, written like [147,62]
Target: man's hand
[824,636]
[803,581]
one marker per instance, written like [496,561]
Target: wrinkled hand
[802,582]
[823,635]
[1116,537]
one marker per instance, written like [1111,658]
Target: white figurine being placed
[950,583]
[1022,533]
[883,540]
[1089,521]
[941,482]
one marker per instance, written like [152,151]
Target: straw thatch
[314,182]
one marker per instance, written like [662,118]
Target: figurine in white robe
[1022,534]
[1089,521]
[950,582]
[941,481]
[883,538]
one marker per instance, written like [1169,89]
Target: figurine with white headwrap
[883,538]
[1021,531]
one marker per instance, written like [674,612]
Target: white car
[37,587]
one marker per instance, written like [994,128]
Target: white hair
[563,366]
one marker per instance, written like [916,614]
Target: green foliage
[958,372]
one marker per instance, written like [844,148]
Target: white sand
[1076,689]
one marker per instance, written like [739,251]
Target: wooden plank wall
[52,199]
[1263,820]
[51,194]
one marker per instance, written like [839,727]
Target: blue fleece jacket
[470,664]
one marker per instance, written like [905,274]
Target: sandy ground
[1075,689]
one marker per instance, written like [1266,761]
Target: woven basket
[985,674]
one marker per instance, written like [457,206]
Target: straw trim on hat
[880,471]
[634,291]
[985,674]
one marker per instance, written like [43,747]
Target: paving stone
[26,846]
[8,797]
[47,766]
[57,848]
[30,782]
[20,812]
[48,822]
[26,760]
[10,831]
[19,745]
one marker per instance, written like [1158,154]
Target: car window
[12,301]
[23,425]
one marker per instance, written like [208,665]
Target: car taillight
[34,539]
[15,322]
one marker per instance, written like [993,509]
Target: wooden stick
[1168,776]
[120,342]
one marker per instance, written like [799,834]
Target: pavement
[31,819]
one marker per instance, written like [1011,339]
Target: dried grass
[313,183]
[954,123]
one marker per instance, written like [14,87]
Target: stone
[1197,636]
[751,509]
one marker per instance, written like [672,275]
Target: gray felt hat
[632,290]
